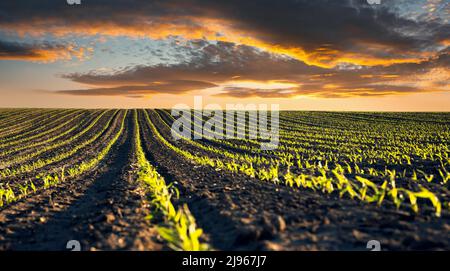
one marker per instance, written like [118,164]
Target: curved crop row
[36,133]
[180,230]
[27,122]
[328,181]
[18,118]
[25,157]
[353,157]
[9,194]
[36,164]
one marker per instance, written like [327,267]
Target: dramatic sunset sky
[301,54]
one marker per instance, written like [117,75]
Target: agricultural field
[119,180]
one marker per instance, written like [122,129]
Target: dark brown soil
[103,210]
[239,213]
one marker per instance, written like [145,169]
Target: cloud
[40,52]
[244,71]
[320,32]
[217,62]
[138,91]
[245,92]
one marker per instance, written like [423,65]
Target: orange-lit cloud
[244,71]
[43,53]
[219,30]
[139,91]
[366,37]
[235,48]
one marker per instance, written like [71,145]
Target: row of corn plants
[50,143]
[180,230]
[39,163]
[9,194]
[42,129]
[24,124]
[314,153]
[19,118]
[328,180]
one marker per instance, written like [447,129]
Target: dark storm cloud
[339,24]
[38,52]
[440,59]
[323,47]
[13,49]
[325,29]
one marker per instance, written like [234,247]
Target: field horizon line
[165,108]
